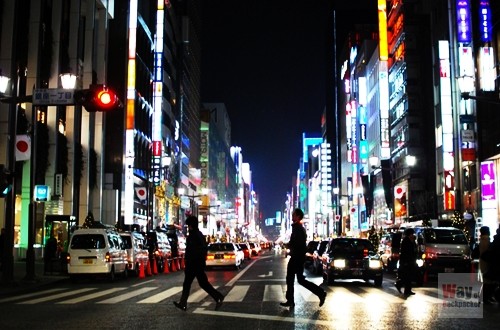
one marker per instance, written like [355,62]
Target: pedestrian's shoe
[409,293]
[322,298]
[218,302]
[398,286]
[181,306]
[287,304]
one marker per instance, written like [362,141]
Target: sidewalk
[21,285]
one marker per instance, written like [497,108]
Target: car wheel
[378,281]
[137,270]
[125,272]
[73,278]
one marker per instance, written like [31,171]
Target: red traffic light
[97,98]
[105,98]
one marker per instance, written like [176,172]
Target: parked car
[247,251]
[352,258]
[255,248]
[159,248]
[137,252]
[224,254]
[96,251]
[389,249]
[311,246]
[317,265]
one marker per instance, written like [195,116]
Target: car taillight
[210,257]
[68,258]
[108,257]
[365,252]
[230,256]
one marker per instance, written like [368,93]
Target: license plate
[449,270]
[357,272]
[88,261]
[219,256]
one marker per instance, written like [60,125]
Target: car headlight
[420,262]
[374,263]
[339,263]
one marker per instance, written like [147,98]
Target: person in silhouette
[195,261]
[407,262]
[295,267]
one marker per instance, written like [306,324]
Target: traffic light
[5,181]
[97,98]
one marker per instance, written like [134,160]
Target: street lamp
[182,192]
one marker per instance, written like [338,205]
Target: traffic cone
[183,265]
[165,268]
[178,263]
[148,269]
[155,269]
[141,271]
[174,266]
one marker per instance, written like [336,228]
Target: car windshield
[90,241]
[243,246]
[127,242]
[221,247]
[445,236]
[350,247]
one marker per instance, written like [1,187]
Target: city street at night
[253,294]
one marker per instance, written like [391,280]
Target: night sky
[266,61]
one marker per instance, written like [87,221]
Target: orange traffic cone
[178,263]
[148,269]
[165,267]
[174,265]
[183,265]
[141,271]
[155,270]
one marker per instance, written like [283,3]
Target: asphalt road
[252,301]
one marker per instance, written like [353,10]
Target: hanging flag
[141,193]
[23,147]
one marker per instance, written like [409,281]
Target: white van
[137,253]
[443,249]
[96,251]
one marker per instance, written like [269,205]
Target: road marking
[57,296]
[306,294]
[126,296]
[142,283]
[161,296]
[29,295]
[237,293]
[91,296]
[240,274]
[264,317]
[273,292]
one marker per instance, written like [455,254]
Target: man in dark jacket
[407,262]
[195,262]
[297,246]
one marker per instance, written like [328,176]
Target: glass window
[90,241]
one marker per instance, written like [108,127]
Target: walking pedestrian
[50,254]
[407,262]
[485,257]
[295,267]
[195,262]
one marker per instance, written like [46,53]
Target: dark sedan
[352,258]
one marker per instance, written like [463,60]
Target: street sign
[53,96]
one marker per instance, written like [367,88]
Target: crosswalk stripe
[126,296]
[237,293]
[273,292]
[377,296]
[306,294]
[342,295]
[29,295]
[91,296]
[161,296]
[57,296]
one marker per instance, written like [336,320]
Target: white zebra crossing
[337,295]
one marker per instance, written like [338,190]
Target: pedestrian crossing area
[247,293]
